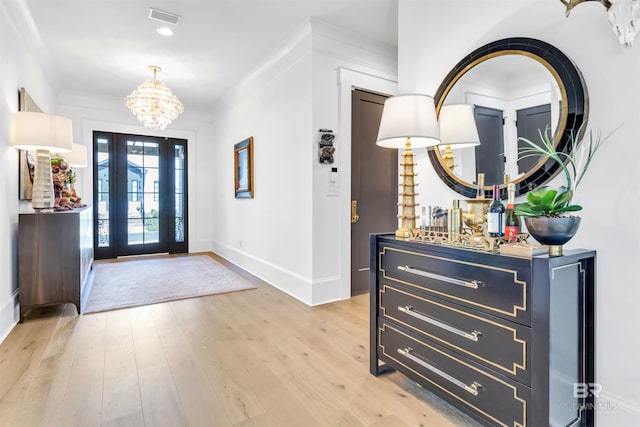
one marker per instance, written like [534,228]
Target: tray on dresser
[467,240]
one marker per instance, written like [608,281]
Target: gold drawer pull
[473,336]
[473,284]
[473,388]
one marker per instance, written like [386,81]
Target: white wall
[435,35]
[269,235]
[19,69]
[293,233]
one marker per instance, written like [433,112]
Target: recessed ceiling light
[165,31]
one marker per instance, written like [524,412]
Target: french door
[140,195]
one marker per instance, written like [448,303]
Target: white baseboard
[9,315]
[613,410]
[325,291]
[287,281]
[199,246]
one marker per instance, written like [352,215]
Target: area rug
[131,283]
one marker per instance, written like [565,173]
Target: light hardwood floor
[249,358]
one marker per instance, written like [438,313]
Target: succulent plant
[546,201]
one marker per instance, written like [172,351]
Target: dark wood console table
[55,256]
[507,340]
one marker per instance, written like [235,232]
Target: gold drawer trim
[515,390]
[522,365]
[512,313]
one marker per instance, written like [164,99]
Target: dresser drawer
[499,400]
[497,290]
[500,344]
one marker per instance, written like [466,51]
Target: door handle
[354,212]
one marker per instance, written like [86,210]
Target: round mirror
[517,87]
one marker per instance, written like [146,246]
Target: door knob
[354,211]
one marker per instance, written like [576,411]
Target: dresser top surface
[72,211]
[484,256]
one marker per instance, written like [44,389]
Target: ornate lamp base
[404,233]
[42,197]
[408,203]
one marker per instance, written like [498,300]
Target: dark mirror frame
[573,114]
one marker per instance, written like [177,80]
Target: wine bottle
[511,220]
[495,214]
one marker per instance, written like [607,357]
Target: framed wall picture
[243,166]
[27,160]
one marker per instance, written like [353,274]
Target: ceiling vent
[162,16]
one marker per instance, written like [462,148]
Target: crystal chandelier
[153,103]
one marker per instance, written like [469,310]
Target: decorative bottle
[511,220]
[480,193]
[454,221]
[495,214]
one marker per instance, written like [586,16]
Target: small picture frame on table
[243,167]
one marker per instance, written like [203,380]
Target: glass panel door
[180,195]
[140,189]
[143,192]
[142,219]
[102,180]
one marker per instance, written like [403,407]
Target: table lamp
[457,130]
[77,158]
[43,133]
[408,121]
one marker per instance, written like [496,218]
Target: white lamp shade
[41,131]
[408,116]
[458,126]
[77,158]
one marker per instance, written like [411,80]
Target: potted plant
[547,211]
[71,179]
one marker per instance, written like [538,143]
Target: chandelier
[153,103]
